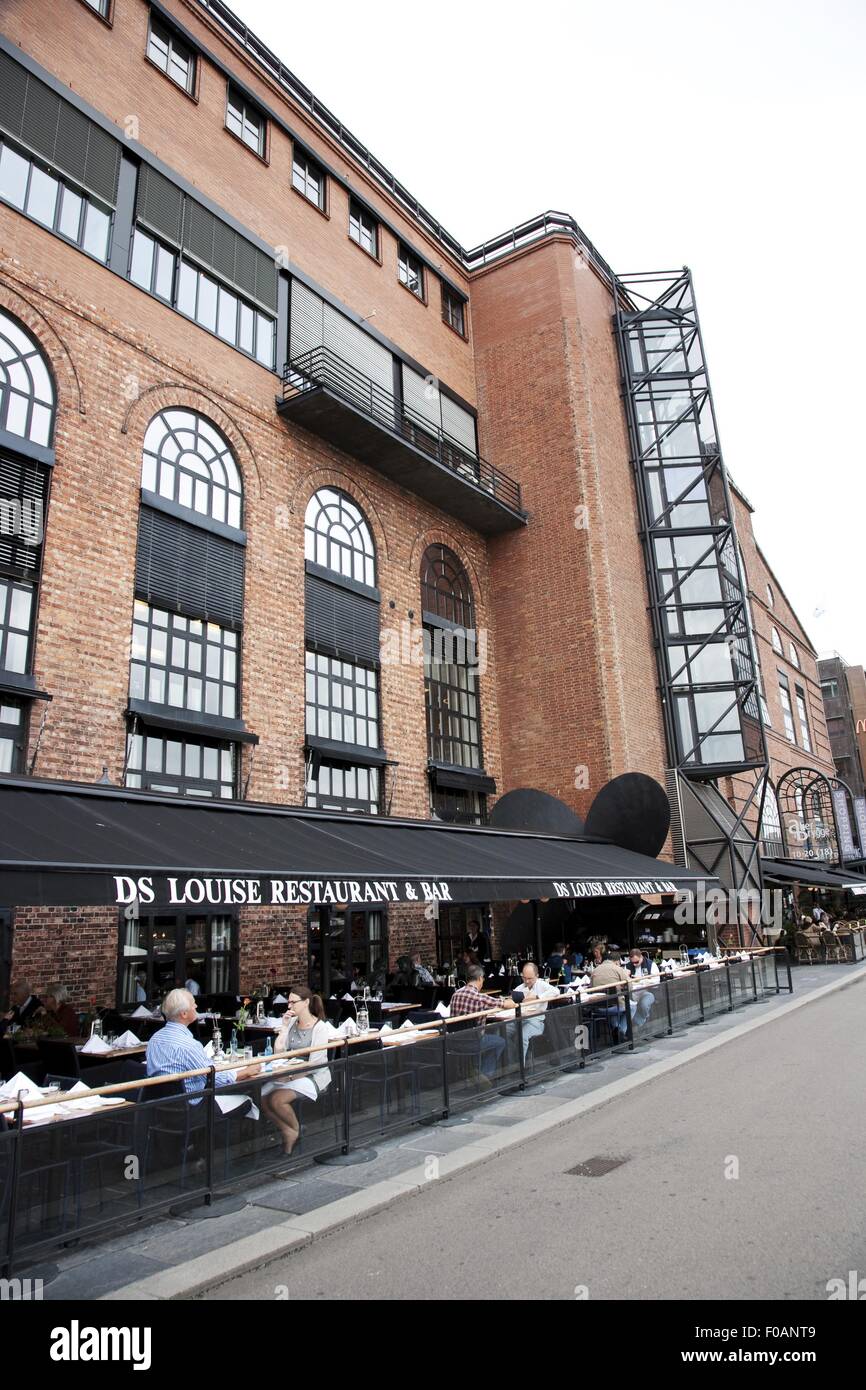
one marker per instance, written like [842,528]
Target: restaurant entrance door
[159,950]
[456,925]
[345,944]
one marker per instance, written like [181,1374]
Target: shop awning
[811,875]
[63,844]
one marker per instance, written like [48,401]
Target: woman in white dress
[304,1025]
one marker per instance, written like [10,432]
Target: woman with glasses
[304,1025]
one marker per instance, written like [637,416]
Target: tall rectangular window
[171,55]
[363,228]
[453,725]
[454,311]
[803,718]
[183,662]
[342,701]
[308,178]
[16,613]
[245,121]
[11,734]
[787,712]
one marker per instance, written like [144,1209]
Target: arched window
[341,623]
[26,390]
[777,641]
[185,666]
[337,536]
[771,599]
[795,658]
[27,402]
[771,825]
[188,461]
[445,588]
[451,669]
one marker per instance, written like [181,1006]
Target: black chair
[59,1055]
[8,1066]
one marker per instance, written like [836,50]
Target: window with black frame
[451,692]
[27,401]
[12,726]
[162,950]
[342,716]
[184,671]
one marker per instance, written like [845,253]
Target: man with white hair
[174,1050]
[533,987]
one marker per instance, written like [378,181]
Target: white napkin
[386,1028]
[127,1039]
[208,1049]
[96,1045]
[229,1103]
[279,999]
[349,1029]
[273,1022]
[349,997]
[407,1024]
[442,1010]
[502,969]
[9,1090]
[141,1012]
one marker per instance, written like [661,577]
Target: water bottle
[234,1042]
[96,1028]
[260,1012]
[217,1042]
[362,1012]
[268,1052]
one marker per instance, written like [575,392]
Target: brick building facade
[178,218]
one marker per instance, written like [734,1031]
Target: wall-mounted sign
[847,848]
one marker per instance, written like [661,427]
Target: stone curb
[250,1252]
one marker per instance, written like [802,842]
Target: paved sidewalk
[175,1258]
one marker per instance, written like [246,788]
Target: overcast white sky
[726,135]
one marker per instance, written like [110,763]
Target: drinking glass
[248,1054]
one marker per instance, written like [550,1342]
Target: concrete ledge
[219,1266]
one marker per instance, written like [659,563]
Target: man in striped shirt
[174,1050]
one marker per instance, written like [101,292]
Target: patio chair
[833,949]
[58,1055]
[805,948]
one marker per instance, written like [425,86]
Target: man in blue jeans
[469,1000]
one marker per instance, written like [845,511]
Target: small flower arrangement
[242,1017]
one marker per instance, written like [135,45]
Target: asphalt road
[784,1108]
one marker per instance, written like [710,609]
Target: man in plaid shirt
[470,1000]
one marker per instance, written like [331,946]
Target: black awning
[65,844]
[811,875]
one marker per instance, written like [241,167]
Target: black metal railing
[102,1171]
[321,367]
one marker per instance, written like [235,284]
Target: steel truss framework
[708,671]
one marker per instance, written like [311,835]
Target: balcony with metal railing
[326,395]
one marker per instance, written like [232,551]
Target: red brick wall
[577,680]
[108,68]
[73,946]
